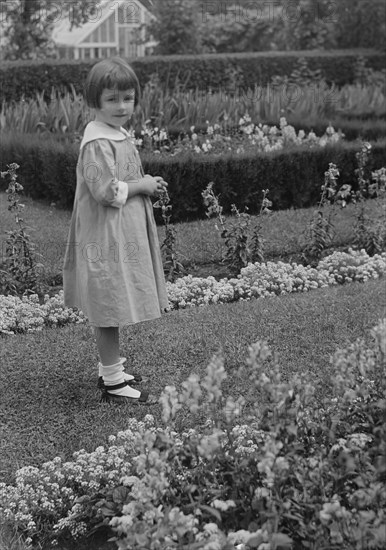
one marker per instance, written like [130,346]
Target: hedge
[293,176]
[194,71]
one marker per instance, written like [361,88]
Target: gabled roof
[149,4]
[63,35]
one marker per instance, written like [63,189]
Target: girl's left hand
[161,183]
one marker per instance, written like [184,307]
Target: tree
[237,27]
[361,24]
[241,25]
[176,28]
[307,24]
[27,25]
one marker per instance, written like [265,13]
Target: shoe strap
[117,386]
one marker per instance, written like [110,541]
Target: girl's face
[116,107]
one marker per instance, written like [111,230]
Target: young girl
[112,267]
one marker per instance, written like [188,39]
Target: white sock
[112,375]
[126,376]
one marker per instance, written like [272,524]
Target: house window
[96,53]
[132,49]
[111,31]
[104,31]
[127,42]
[86,53]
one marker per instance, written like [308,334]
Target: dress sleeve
[98,166]
[138,162]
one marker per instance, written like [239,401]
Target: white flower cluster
[61,490]
[254,281]
[26,314]
[270,138]
[248,438]
[54,487]
[141,473]
[356,266]
[270,279]
[255,137]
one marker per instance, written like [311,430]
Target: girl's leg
[107,339]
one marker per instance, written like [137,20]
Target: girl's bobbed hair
[112,73]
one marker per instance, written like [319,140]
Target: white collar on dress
[100,130]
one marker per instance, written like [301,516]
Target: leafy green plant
[366,76]
[375,230]
[235,236]
[257,241]
[320,231]
[172,266]
[279,467]
[20,261]
[369,235]
[242,247]
[301,75]
[182,108]
[64,114]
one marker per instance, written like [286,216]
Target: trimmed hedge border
[293,176]
[193,71]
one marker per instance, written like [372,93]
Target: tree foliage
[202,26]
[361,23]
[232,26]
[28,24]
[176,28]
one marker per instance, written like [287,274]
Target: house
[117,27]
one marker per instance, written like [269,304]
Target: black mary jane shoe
[145,398]
[133,382]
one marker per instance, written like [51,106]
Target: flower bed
[247,137]
[257,280]
[278,468]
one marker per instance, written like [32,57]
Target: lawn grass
[198,242]
[49,402]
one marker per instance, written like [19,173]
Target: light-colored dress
[113,266]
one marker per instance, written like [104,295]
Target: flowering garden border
[296,471]
[258,280]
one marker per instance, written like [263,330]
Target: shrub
[194,71]
[48,172]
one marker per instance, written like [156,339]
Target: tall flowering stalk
[172,266]
[19,256]
[359,196]
[213,207]
[257,242]
[369,234]
[241,247]
[320,230]
[362,156]
[236,240]
[376,229]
